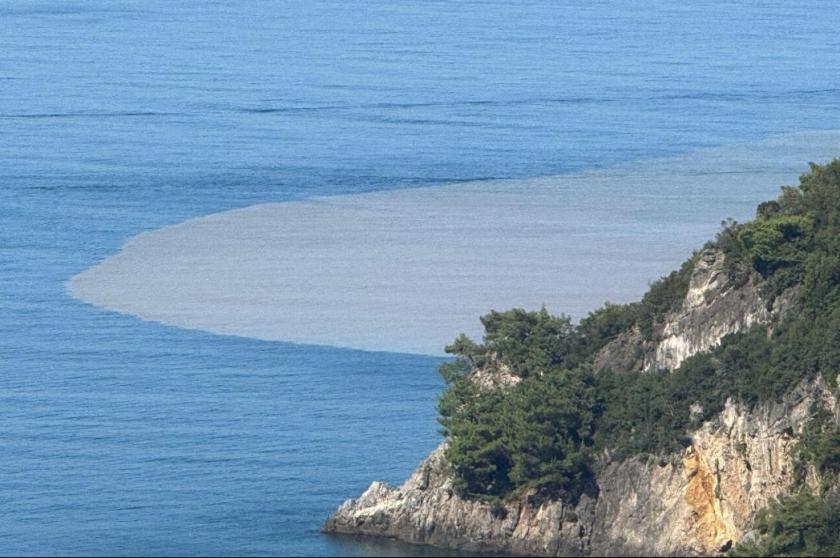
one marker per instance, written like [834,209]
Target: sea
[125,436]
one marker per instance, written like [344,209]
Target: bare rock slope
[714,306]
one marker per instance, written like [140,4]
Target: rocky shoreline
[698,502]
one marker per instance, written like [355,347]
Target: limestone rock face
[426,510]
[714,307]
[721,310]
[699,502]
[494,375]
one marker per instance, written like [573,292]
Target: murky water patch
[407,270]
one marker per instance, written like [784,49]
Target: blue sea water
[126,437]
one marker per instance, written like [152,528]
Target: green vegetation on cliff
[553,430]
[799,525]
[804,523]
[537,434]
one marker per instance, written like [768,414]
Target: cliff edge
[698,502]
[702,419]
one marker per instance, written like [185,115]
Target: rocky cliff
[696,502]
[714,306]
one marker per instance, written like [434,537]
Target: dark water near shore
[127,437]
